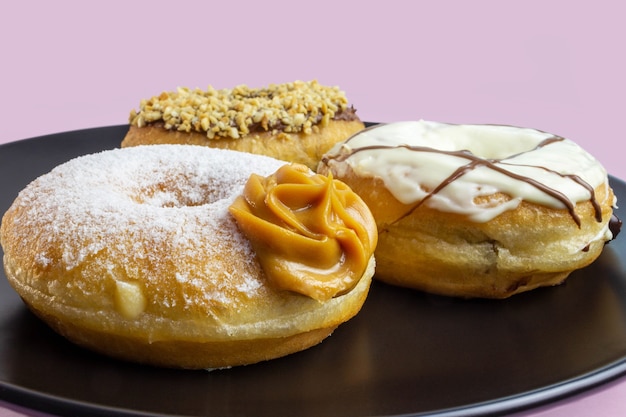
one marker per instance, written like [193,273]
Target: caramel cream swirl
[311,233]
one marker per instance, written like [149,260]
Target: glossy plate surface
[405,353]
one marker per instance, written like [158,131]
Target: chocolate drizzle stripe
[592,193]
[476,162]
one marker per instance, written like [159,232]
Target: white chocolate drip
[415,158]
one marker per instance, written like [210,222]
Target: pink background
[554,65]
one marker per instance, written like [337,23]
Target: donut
[295,122]
[133,253]
[477,211]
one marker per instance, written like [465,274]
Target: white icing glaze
[411,175]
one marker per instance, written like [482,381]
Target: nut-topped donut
[476,210]
[134,253]
[296,122]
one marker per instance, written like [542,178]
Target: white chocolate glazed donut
[133,253]
[476,210]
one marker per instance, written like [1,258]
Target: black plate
[405,353]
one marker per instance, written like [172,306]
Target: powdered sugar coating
[152,214]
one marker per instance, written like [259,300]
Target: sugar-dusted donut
[476,210]
[296,122]
[133,253]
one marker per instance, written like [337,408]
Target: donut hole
[178,192]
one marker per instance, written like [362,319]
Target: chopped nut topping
[233,113]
